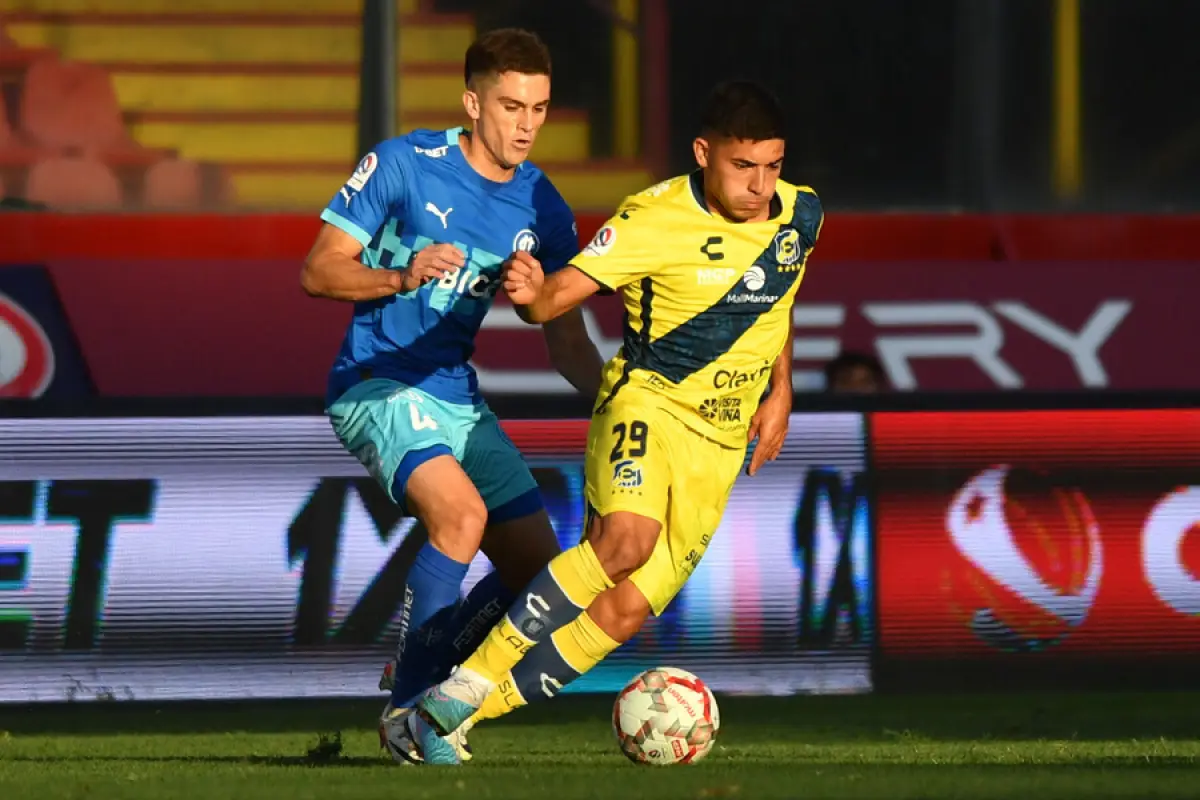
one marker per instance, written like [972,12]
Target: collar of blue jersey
[696,181]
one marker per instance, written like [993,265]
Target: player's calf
[623,542]
[444,499]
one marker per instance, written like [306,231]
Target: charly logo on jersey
[526,242]
[788,251]
[1032,555]
[362,173]
[26,355]
[602,242]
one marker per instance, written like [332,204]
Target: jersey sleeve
[807,218]
[555,227]
[370,196]
[623,251]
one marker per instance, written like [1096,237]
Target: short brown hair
[506,50]
[743,110]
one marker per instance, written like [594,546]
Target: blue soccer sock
[472,620]
[432,585]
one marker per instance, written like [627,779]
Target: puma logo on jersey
[432,209]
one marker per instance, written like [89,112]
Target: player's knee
[457,529]
[519,549]
[623,542]
[620,612]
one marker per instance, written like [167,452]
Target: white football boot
[396,738]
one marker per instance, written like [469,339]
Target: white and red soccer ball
[666,716]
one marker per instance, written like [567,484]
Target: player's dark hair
[850,360]
[506,50]
[743,110]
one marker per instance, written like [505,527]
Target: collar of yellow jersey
[696,182]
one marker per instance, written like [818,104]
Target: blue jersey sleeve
[556,224]
[372,195]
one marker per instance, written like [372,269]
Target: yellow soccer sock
[547,668]
[554,598]
[583,644]
[503,698]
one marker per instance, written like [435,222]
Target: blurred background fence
[939,104]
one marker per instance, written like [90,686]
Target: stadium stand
[176,185]
[73,183]
[266,90]
[70,106]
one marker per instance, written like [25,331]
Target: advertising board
[237,557]
[1038,545]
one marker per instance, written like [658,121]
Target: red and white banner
[919,291]
[1038,535]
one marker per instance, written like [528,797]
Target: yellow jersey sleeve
[625,250]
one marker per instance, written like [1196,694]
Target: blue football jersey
[417,190]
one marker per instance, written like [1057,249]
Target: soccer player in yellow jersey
[708,264]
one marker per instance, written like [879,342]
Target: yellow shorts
[643,460]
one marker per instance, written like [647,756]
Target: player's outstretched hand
[770,426]
[523,278]
[432,263]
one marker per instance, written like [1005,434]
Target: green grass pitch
[900,746]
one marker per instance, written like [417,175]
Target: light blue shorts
[392,429]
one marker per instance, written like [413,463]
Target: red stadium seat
[71,106]
[69,182]
[180,184]
[173,184]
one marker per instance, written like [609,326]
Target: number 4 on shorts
[420,422]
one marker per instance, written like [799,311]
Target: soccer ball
[665,716]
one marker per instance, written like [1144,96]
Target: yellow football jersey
[708,302]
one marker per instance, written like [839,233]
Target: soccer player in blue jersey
[415,239]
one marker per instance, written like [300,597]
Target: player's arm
[770,423]
[573,353]
[334,268]
[781,373]
[540,298]
[571,349]
[622,252]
